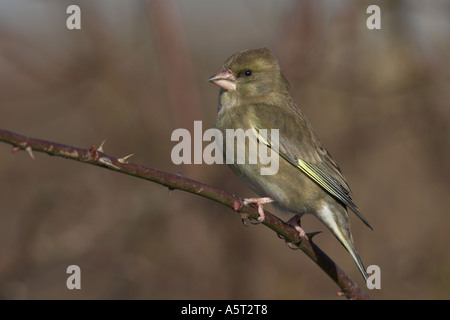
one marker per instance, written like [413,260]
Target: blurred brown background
[137,70]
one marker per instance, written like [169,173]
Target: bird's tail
[352,250]
[340,227]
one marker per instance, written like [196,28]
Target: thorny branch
[96,156]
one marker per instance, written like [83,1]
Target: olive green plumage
[255,95]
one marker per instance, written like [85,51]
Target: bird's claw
[245,218]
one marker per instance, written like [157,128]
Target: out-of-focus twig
[173,52]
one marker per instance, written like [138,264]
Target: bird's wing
[299,146]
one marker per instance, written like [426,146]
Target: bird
[255,96]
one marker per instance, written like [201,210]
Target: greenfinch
[254,96]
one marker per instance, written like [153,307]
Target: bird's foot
[260,202]
[295,222]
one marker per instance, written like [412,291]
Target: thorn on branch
[93,150]
[100,149]
[107,162]
[123,160]
[310,235]
[30,152]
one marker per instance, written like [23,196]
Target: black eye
[248,73]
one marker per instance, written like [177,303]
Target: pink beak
[224,79]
